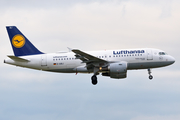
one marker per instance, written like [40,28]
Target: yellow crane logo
[18,41]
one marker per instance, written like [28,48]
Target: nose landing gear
[150,77]
[149,72]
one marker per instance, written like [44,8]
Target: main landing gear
[149,72]
[94,79]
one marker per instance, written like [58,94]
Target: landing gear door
[44,60]
[149,54]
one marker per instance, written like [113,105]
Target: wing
[87,58]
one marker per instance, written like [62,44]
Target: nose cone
[171,59]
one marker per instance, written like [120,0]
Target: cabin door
[44,60]
[149,54]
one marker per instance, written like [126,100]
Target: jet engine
[117,70]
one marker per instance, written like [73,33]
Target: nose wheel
[150,77]
[149,72]
[94,80]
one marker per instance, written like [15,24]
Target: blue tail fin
[20,44]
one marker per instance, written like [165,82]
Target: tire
[94,80]
[150,77]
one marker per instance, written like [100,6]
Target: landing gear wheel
[149,72]
[150,77]
[94,80]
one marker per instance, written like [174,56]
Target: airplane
[109,63]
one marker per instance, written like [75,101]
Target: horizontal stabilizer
[18,59]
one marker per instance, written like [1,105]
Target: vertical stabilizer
[20,44]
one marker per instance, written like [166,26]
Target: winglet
[70,49]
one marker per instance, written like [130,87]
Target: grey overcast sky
[54,25]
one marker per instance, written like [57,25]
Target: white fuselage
[67,62]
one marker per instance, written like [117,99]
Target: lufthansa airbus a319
[109,63]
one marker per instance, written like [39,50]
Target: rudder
[20,44]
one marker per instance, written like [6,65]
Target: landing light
[100,68]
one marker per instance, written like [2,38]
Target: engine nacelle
[118,70]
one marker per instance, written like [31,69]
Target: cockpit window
[162,53]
